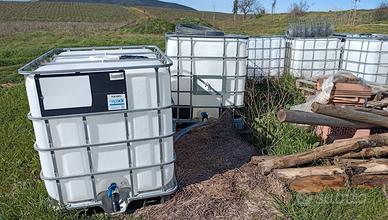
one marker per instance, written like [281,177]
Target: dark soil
[212,149]
[217,179]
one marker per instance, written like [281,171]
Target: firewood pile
[339,102]
[356,162]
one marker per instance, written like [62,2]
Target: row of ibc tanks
[103,117]
[365,55]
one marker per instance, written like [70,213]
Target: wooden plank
[352,86]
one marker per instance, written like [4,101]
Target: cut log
[315,184]
[301,117]
[325,151]
[358,173]
[367,167]
[349,113]
[368,153]
[371,110]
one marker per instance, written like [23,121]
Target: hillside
[27,30]
[84,17]
[132,3]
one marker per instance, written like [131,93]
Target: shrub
[262,101]
[153,26]
[381,12]
[299,9]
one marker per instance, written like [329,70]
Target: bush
[381,12]
[262,101]
[153,26]
[299,9]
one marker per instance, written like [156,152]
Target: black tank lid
[196,29]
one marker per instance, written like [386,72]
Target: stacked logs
[355,162]
[352,163]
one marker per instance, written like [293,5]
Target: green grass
[23,195]
[357,204]
[151,26]
[65,11]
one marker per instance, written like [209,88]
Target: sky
[282,5]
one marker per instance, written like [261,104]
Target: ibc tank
[102,117]
[310,57]
[209,71]
[367,57]
[266,56]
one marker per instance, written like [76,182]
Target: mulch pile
[218,179]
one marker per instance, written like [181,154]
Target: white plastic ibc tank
[367,58]
[266,56]
[312,57]
[208,74]
[102,116]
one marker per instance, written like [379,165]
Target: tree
[381,12]
[355,10]
[259,10]
[235,9]
[299,9]
[273,6]
[246,6]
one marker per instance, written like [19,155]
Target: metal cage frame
[253,62]
[303,50]
[340,63]
[166,189]
[237,58]
[364,61]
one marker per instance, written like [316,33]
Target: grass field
[29,29]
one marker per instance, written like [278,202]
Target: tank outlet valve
[204,116]
[114,196]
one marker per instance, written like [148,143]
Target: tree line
[255,7]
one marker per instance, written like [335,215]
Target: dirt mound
[217,179]
[211,149]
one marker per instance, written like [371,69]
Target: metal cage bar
[31,67]
[54,161]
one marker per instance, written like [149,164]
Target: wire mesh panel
[102,116]
[208,74]
[367,57]
[266,56]
[310,57]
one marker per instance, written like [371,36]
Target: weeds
[358,204]
[263,100]
[152,26]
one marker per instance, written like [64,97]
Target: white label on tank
[116,76]
[117,102]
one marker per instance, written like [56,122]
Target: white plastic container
[266,56]
[208,74]
[312,57]
[367,57]
[102,116]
